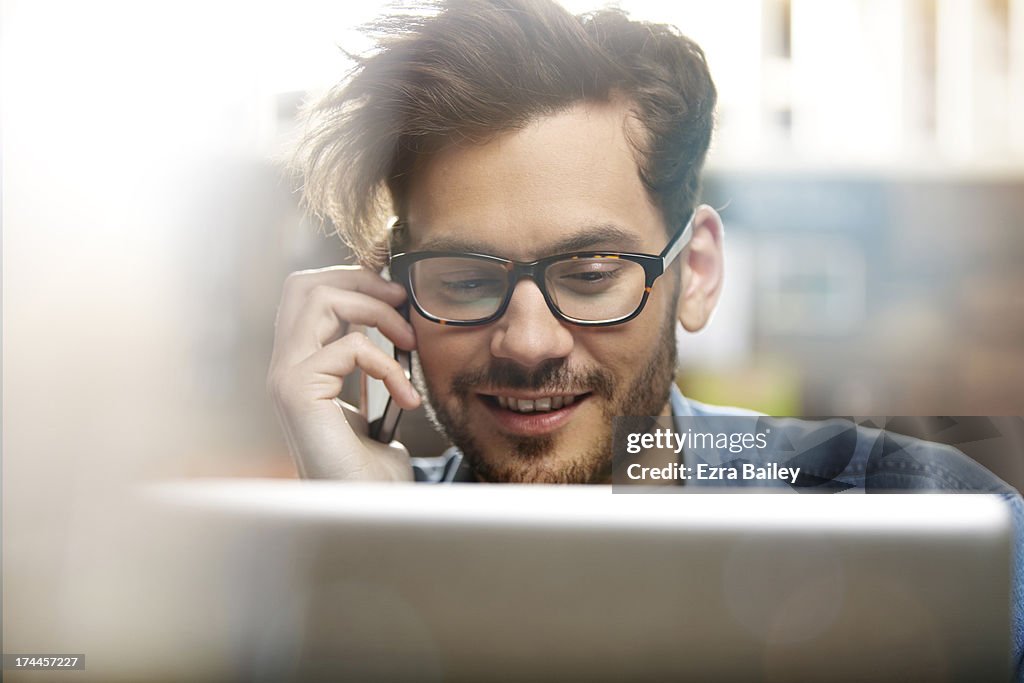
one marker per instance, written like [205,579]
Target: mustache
[552,375]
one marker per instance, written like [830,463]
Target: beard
[527,458]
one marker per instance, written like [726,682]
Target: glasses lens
[458,288]
[596,289]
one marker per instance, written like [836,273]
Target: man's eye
[593,275]
[469,285]
[469,289]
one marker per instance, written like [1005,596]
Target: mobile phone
[383,428]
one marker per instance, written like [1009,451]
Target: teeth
[545,404]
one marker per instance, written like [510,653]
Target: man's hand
[315,349]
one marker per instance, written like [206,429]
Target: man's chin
[540,460]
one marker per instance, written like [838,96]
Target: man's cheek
[423,379]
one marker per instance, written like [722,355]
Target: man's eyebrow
[605,235]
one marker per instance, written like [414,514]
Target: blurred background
[868,163]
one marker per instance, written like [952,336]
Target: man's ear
[702,270]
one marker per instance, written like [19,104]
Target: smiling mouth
[540,404]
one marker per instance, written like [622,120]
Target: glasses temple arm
[678,243]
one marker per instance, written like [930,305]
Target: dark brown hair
[468,69]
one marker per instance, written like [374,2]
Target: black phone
[383,428]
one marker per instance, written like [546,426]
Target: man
[544,171]
[511,130]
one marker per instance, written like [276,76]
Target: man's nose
[529,333]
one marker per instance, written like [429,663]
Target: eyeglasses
[585,288]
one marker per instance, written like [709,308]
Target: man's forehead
[568,181]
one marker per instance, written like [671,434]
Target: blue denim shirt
[847,461]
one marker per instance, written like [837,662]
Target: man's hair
[472,69]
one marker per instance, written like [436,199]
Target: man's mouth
[532,413]
[542,404]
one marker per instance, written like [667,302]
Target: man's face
[524,195]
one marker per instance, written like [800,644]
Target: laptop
[474,582]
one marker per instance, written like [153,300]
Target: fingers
[315,349]
[329,312]
[298,286]
[320,375]
[318,307]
